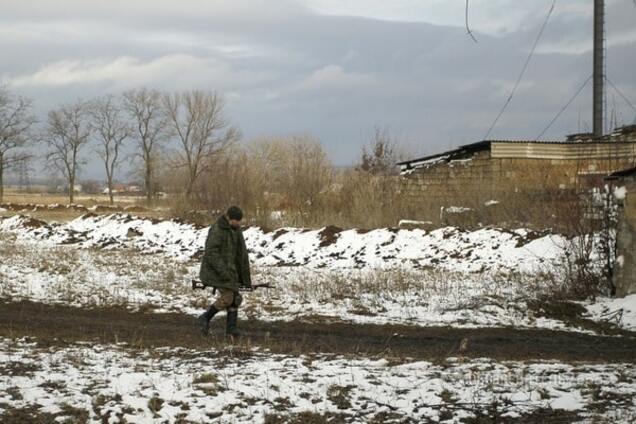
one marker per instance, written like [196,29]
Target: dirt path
[55,324]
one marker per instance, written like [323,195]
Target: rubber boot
[232,317]
[203,322]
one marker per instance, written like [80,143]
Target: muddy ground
[60,325]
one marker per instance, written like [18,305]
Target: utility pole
[599,67]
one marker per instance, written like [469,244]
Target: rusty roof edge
[486,143]
[464,148]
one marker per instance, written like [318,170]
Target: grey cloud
[334,77]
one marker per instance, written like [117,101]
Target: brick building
[493,171]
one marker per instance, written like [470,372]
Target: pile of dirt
[329,235]
[278,233]
[33,223]
[135,209]
[530,236]
[103,208]
[13,207]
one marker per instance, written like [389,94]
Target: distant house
[123,189]
[77,188]
[488,170]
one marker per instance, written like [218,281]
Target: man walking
[225,266]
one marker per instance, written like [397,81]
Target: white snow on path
[519,251]
[243,386]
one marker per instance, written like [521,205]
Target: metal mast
[599,66]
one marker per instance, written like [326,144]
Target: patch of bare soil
[33,414]
[278,233]
[540,416]
[57,324]
[135,209]
[34,223]
[104,208]
[329,235]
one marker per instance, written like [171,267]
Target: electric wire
[624,97]
[468,30]
[564,107]
[523,70]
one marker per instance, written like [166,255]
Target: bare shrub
[589,254]
[272,179]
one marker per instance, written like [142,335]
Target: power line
[565,107]
[523,70]
[630,104]
[468,30]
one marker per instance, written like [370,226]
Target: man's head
[234,216]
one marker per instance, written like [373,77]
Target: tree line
[146,118]
[277,180]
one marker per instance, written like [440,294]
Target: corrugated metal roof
[458,152]
[486,144]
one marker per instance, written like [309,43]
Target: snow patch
[449,248]
[620,192]
[194,386]
[621,311]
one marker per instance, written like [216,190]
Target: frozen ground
[86,277]
[112,383]
[470,280]
[122,260]
[519,251]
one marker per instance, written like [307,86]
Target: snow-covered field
[519,251]
[94,381]
[158,385]
[447,277]
[382,276]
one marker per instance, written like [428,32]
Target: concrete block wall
[625,270]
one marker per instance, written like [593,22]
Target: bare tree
[111,129]
[16,120]
[67,132]
[150,124]
[197,118]
[380,157]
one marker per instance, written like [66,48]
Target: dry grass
[14,196]
[19,202]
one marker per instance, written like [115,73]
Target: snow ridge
[487,249]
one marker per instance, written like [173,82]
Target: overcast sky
[333,69]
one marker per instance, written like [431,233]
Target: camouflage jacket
[225,261]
